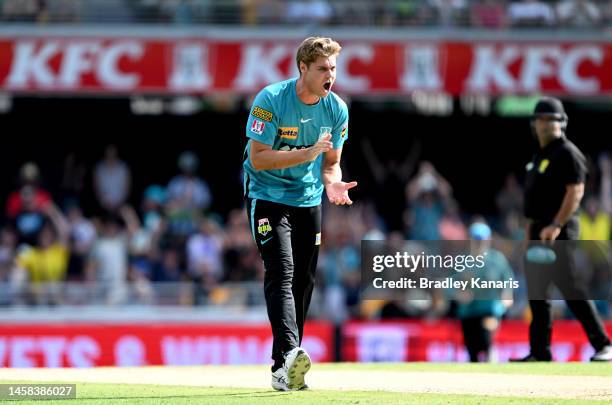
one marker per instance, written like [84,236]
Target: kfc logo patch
[258,127]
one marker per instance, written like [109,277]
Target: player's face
[548,126]
[320,75]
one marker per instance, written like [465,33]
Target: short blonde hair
[313,47]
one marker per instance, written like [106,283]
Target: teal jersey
[280,119]
[487,302]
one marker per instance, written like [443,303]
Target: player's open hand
[337,193]
[323,145]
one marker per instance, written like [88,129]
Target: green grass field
[199,393]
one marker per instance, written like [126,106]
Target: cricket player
[296,129]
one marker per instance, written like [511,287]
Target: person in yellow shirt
[46,263]
[594,221]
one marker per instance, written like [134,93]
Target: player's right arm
[263,157]
[261,129]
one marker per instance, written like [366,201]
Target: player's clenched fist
[323,145]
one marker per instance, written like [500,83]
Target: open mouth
[327,86]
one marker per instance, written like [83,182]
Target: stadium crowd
[491,14]
[54,253]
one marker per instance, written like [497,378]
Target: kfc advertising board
[129,65]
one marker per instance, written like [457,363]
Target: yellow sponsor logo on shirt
[262,114]
[288,132]
[543,165]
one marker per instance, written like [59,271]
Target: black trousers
[476,337]
[565,276]
[288,240]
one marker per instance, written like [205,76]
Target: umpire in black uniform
[554,186]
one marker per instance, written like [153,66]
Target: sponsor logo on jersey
[258,127]
[343,131]
[288,132]
[262,114]
[318,239]
[543,165]
[263,226]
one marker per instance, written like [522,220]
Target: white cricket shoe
[279,380]
[604,354]
[297,364]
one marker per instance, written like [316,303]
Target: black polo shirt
[552,168]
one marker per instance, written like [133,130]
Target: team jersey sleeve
[340,131]
[263,121]
[573,167]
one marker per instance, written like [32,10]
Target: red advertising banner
[442,341]
[128,65]
[86,345]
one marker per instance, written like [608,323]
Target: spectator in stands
[108,261]
[106,11]
[153,202]
[112,180]
[488,14]
[8,246]
[531,14]
[389,175]
[147,10]
[73,178]
[188,196]
[510,197]
[594,221]
[358,13]
[451,224]
[241,258]
[25,207]
[426,194]
[82,237]
[578,14]
[262,11]
[168,268]
[605,186]
[178,11]
[24,10]
[45,264]
[406,12]
[65,11]
[449,13]
[315,12]
[204,253]
[339,266]
[607,14]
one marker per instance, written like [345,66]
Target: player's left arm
[335,188]
[571,202]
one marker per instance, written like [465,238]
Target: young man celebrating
[296,130]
